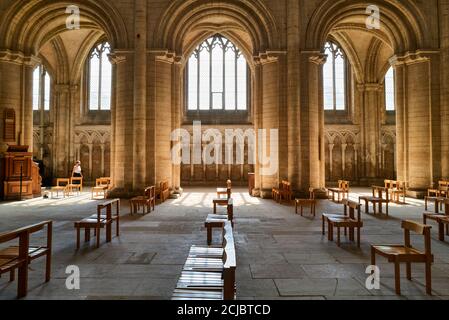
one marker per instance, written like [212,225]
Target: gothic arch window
[100,78]
[334,78]
[41,89]
[217,77]
[390,104]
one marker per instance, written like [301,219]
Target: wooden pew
[284,192]
[437,201]
[214,221]
[224,191]
[351,219]
[342,189]
[98,221]
[377,199]
[405,253]
[441,219]
[311,202]
[209,278]
[19,257]
[147,202]
[61,185]
[102,186]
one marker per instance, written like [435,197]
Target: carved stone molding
[268,57]
[410,58]
[19,58]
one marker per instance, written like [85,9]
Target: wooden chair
[147,202]
[222,201]
[437,201]
[163,192]
[398,190]
[19,257]
[342,190]
[440,191]
[377,199]
[398,254]
[286,193]
[217,221]
[75,185]
[99,221]
[224,191]
[311,202]
[101,188]
[441,219]
[61,185]
[209,273]
[349,221]
[276,192]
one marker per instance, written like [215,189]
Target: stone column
[417,118]
[312,120]
[61,130]
[122,123]
[140,95]
[444,76]
[16,83]
[370,128]
[177,107]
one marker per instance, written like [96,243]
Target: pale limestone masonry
[283,42]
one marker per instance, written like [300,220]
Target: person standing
[77,171]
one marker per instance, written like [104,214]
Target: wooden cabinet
[19,174]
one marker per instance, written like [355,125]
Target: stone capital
[410,58]
[118,56]
[166,56]
[370,87]
[268,56]
[19,58]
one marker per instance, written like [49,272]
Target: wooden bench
[61,186]
[19,257]
[311,202]
[351,219]
[209,273]
[217,221]
[405,253]
[98,221]
[224,191]
[342,191]
[441,219]
[163,192]
[377,199]
[147,202]
[101,188]
[75,185]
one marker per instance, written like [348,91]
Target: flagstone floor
[280,255]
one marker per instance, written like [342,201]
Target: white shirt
[77,169]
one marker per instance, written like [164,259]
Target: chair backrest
[150,192]
[108,206]
[103,182]
[387,184]
[343,184]
[419,229]
[351,208]
[446,206]
[24,233]
[61,182]
[379,192]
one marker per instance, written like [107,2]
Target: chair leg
[358,237]
[373,256]
[397,277]
[440,231]
[428,278]
[48,267]
[409,270]
[323,225]
[117,227]
[338,236]
[78,238]
[12,275]
[209,235]
[98,238]
[330,231]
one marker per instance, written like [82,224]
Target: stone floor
[280,255]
